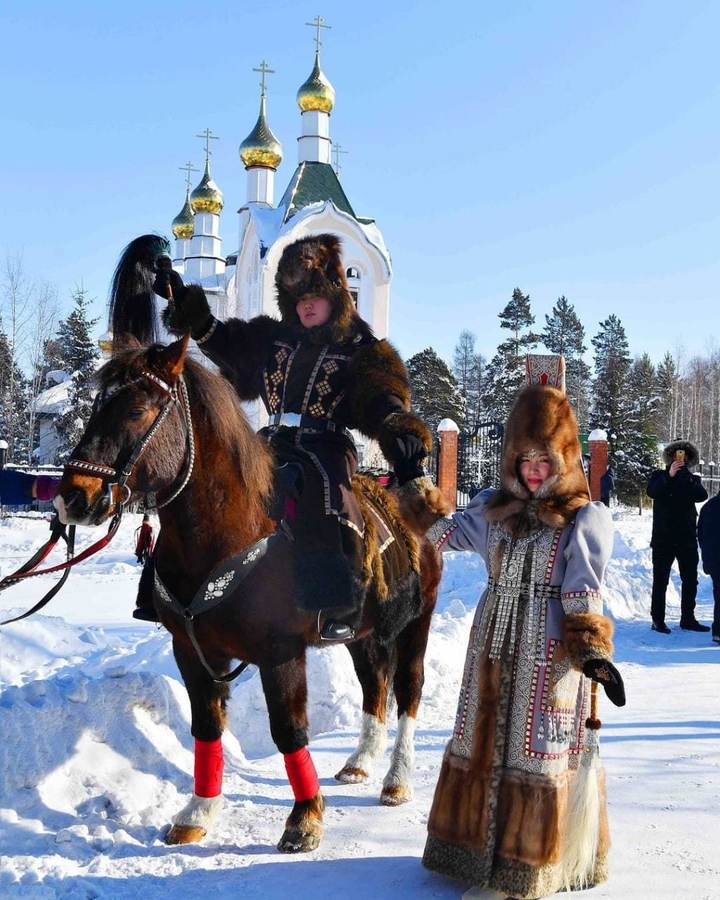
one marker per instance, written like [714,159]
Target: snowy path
[96,754]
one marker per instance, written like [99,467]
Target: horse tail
[132,305]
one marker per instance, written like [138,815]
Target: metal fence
[710,476]
[479,460]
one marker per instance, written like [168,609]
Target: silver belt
[308,423]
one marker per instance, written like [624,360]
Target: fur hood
[541,418]
[692,457]
[314,265]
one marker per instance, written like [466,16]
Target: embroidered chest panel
[326,386]
[275,374]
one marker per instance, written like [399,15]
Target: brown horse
[169,425]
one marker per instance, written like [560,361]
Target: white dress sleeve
[587,555]
[464,530]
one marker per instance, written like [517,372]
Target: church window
[352,272]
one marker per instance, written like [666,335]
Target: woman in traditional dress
[520,803]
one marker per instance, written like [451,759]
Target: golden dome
[105,342]
[261,147]
[317,93]
[207,196]
[183,225]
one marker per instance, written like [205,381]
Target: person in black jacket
[319,371]
[709,537]
[607,486]
[675,491]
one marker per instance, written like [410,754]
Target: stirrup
[333,632]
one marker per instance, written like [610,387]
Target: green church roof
[313,182]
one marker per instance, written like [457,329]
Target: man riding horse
[319,371]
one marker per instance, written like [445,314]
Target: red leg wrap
[208,768]
[301,774]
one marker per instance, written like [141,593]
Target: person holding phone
[675,491]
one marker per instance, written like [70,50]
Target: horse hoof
[185,834]
[296,841]
[352,775]
[396,795]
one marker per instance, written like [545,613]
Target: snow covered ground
[95,750]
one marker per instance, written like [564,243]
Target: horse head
[134,442]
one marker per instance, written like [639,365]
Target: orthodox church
[242,283]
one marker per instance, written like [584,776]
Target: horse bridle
[175,394]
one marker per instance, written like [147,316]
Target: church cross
[317,23]
[337,150]
[264,70]
[188,168]
[208,136]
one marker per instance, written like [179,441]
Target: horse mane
[132,307]
[216,408]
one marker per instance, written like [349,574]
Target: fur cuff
[587,636]
[398,424]
[421,504]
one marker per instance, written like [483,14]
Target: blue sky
[565,148]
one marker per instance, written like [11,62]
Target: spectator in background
[144,540]
[709,537]
[675,491]
[20,489]
[607,486]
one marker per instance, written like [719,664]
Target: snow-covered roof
[53,401]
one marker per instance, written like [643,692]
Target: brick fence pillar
[448,461]
[598,446]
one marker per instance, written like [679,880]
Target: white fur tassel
[583,818]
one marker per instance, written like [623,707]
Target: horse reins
[30,570]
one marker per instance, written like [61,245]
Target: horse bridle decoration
[175,394]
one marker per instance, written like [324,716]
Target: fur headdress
[542,420]
[314,265]
[692,457]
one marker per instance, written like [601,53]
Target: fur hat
[313,265]
[692,457]
[541,419]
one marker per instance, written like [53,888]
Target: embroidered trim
[209,333]
[439,532]
[579,595]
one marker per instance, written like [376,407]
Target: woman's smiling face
[535,469]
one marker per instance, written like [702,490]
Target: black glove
[607,675]
[408,457]
[187,309]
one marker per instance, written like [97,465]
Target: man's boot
[693,625]
[661,627]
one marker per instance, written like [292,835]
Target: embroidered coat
[337,377]
[499,816]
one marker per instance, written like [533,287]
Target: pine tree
[667,390]
[639,454]
[435,392]
[13,404]
[79,354]
[505,374]
[611,400]
[564,334]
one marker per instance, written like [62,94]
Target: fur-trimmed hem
[587,636]
[506,876]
